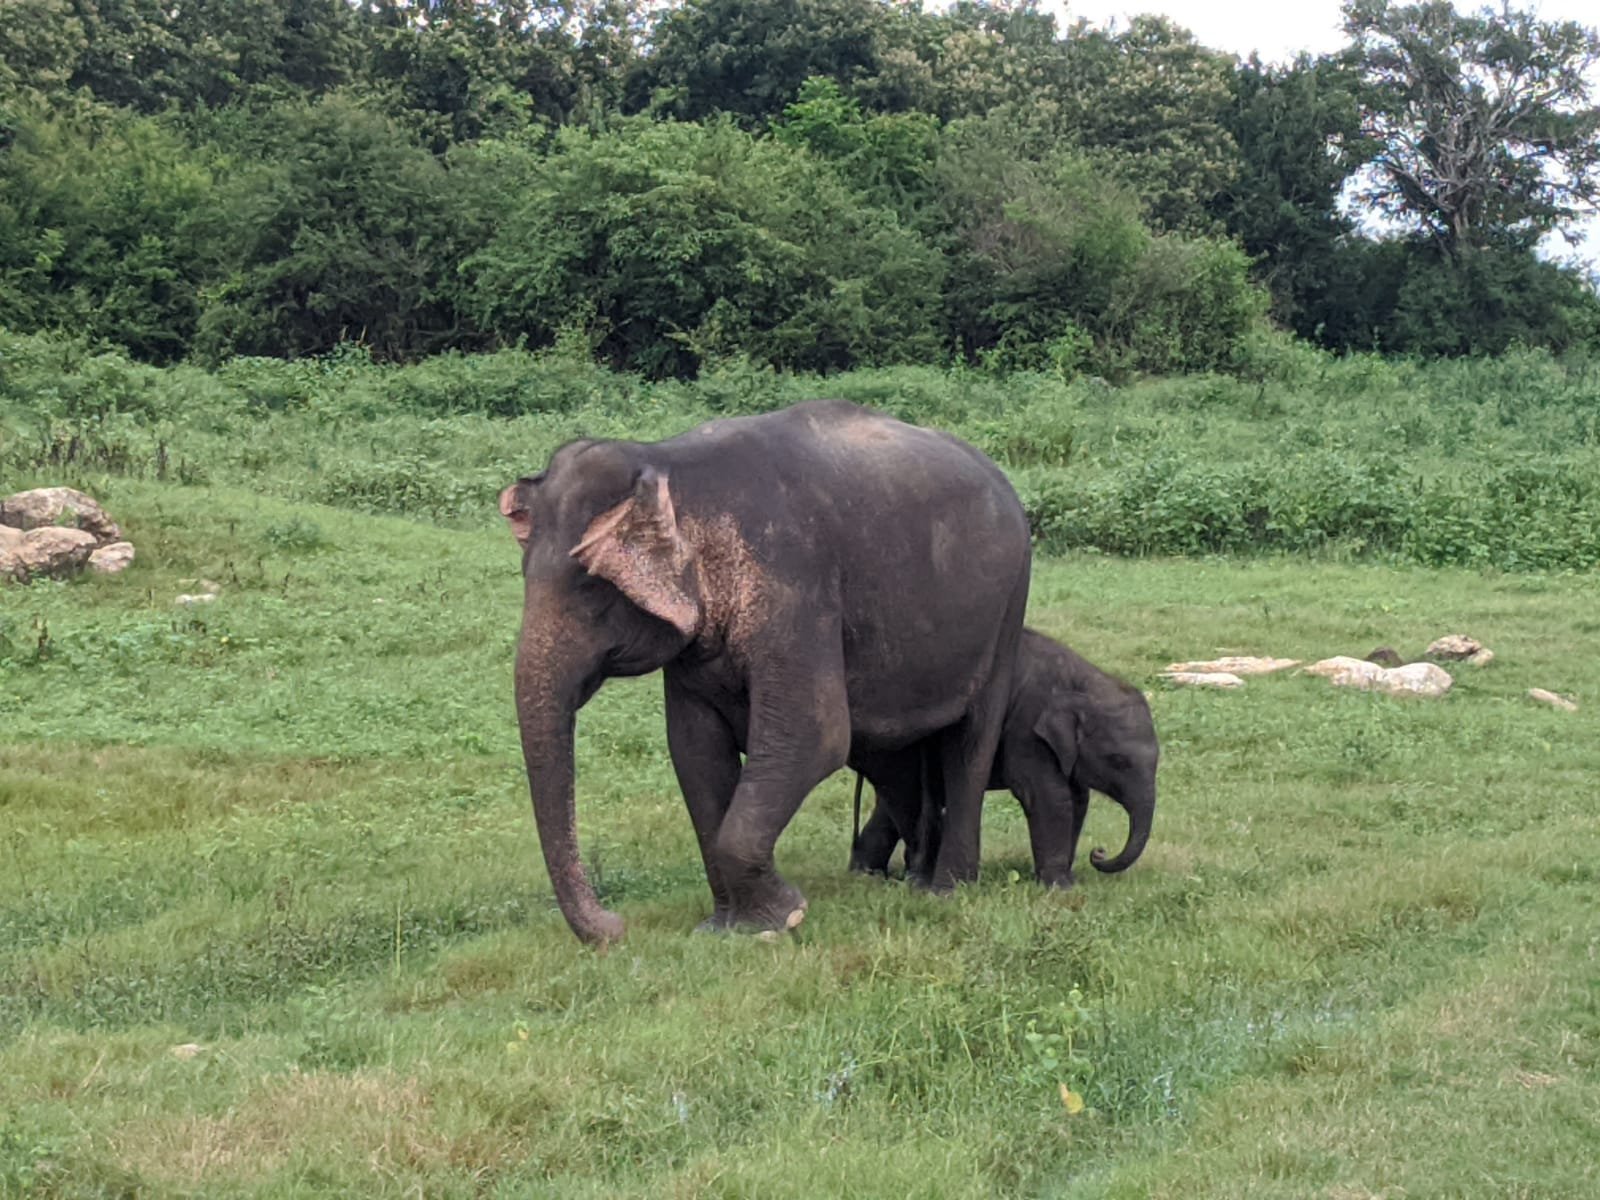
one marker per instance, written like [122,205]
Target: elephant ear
[638,546]
[1057,727]
[515,510]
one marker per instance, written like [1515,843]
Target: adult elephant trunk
[1141,813]
[549,693]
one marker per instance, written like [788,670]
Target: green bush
[1055,269]
[99,228]
[509,383]
[1472,462]
[1512,517]
[669,244]
[338,229]
[410,485]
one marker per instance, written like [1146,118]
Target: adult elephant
[818,583]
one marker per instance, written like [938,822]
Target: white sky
[1279,29]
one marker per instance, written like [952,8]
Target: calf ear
[515,510]
[1057,727]
[638,546]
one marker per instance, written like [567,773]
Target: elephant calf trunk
[1141,814]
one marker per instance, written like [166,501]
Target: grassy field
[273,920]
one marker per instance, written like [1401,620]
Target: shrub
[672,244]
[410,485]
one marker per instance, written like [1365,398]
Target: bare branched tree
[1484,120]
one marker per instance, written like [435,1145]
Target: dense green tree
[1402,296]
[1298,128]
[1149,102]
[347,231]
[149,55]
[750,57]
[1484,122]
[98,228]
[1052,264]
[665,243]
[41,42]
[457,70]
[997,58]
[888,156]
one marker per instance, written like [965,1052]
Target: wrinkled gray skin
[1070,729]
[816,583]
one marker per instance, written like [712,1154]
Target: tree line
[811,184]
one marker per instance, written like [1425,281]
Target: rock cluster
[1383,670]
[51,533]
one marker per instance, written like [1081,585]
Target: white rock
[109,560]
[1235,664]
[188,600]
[1453,646]
[10,566]
[1416,679]
[1482,658]
[1344,671]
[1552,699]
[1216,679]
[50,551]
[187,1050]
[45,506]
[1413,679]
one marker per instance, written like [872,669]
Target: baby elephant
[1070,728]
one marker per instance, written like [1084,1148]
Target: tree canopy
[813,184]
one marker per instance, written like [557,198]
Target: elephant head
[1106,745]
[610,588]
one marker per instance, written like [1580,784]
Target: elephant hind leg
[926,833]
[957,778]
[966,756]
[874,845]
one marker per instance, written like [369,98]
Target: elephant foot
[1057,880]
[766,922]
[870,860]
[781,907]
[790,923]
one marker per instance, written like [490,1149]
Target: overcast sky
[1279,29]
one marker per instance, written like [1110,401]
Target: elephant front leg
[794,745]
[705,757]
[1055,821]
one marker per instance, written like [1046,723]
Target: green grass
[1360,957]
